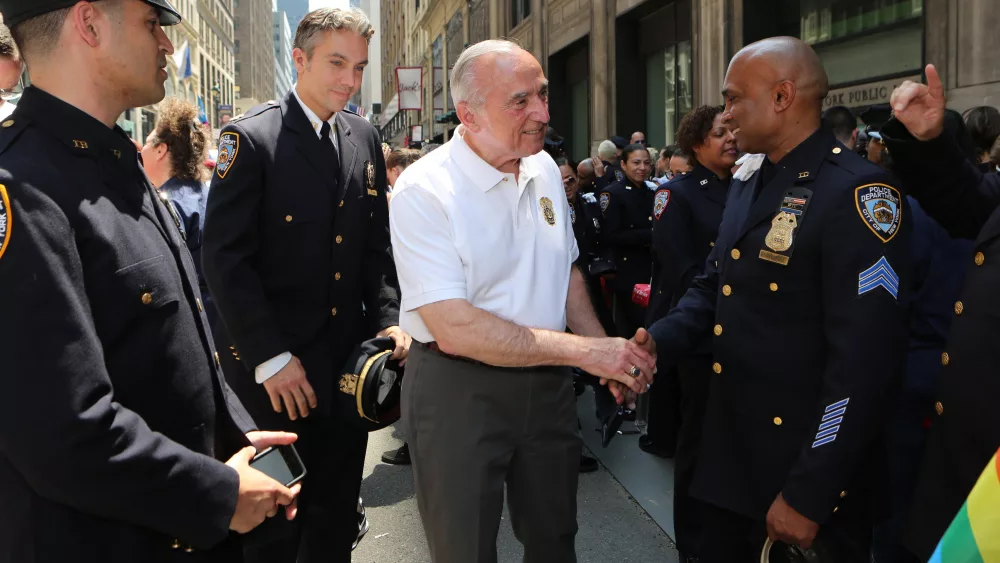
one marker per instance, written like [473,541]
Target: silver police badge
[4,219]
[605,200]
[229,147]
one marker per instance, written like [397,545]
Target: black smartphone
[281,463]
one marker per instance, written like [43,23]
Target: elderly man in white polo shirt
[484,246]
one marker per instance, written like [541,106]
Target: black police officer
[803,298]
[297,256]
[628,231]
[965,432]
[687,212]
[118,421]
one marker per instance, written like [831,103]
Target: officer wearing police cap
[121,441]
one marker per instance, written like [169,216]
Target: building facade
[617,66]
[254,51]
[370,95]
[283,66]
[201,70]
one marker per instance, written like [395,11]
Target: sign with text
[410,87]
[865,94]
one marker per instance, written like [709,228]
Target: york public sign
[865,94]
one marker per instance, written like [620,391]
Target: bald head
[788,59]
[585,172]
[774,94]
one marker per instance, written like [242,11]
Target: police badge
[5,219]
[547,211]
[572,215]
[605,200]
[879,207]
[779,238]
[619,175]
[229,147]
[370,178]
[660,202]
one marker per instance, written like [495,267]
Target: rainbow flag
[974,534]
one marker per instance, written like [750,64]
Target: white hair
[607,150]
[464,87]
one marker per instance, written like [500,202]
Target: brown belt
[435,349]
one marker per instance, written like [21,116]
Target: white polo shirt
[462,229]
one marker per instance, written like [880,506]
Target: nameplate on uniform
[773,257]
[780,239]
[372,192]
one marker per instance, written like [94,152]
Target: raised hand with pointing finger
[920,107]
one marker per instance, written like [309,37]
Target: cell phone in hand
[281,463]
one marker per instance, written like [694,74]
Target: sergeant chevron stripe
[833,415]
[880,274]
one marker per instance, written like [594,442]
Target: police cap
[19,11]
[370,386]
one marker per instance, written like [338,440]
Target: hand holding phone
[259,495]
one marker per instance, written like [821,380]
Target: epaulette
[10,130]
[256,110]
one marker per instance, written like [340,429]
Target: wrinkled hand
[259,496]
[612,360]
[622,394]
[786,525]
[261,440]
[402,341]
[920,107]
[291,387]
[598,166]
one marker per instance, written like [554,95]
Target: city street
[613,527]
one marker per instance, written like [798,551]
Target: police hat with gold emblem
[370,385]
[18,11]
[820,552]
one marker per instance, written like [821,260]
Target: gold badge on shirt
[370,178]
[547,211]
[779,238]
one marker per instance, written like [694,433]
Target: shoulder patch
[5,219]
[229,147]
[605,200]
[880,208]
[660,202]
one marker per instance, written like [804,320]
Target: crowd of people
[807,306]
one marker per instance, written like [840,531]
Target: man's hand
[291,387]
[919,107]
[613,359]
[261,440]
[259,496]
[598,166]
[787,525]
[386,149]
[621,393]
[402,341]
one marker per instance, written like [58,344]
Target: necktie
[329,149]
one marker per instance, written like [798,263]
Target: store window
[519,10]
[860,40]
[665,47]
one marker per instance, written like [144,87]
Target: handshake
[627,367]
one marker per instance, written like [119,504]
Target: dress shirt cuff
[268,369]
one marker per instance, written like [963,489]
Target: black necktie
[330,149]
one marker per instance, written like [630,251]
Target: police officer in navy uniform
[627,206]
[297,256]
[687,212]
[610,153]
[965,430]
[595,258]
[118,424]
[803,299]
